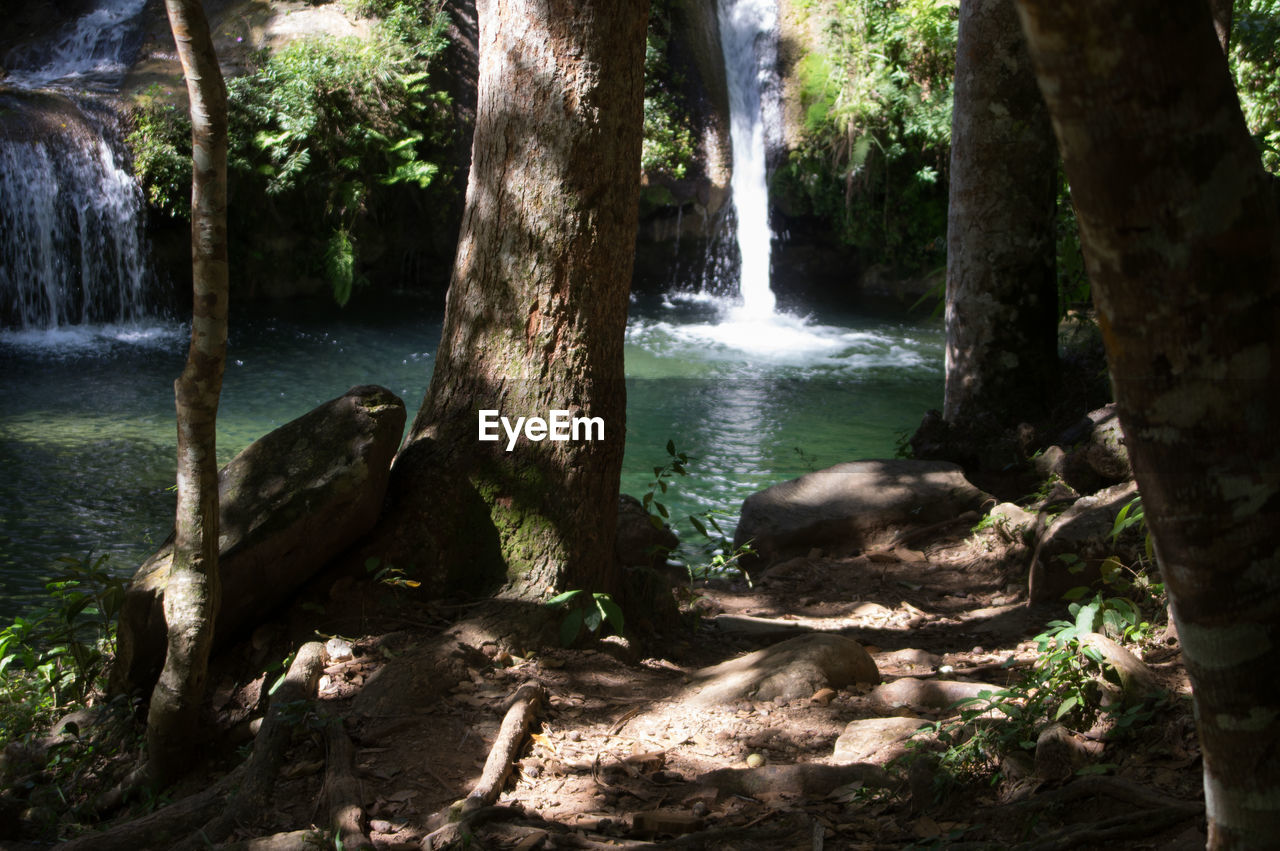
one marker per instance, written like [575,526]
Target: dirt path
[623,757]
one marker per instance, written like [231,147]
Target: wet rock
[932,696]
[290,502]
[858,505]
[875,739]
[1073,547]
[795,668]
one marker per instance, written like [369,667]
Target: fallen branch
[457,820]
[346,797]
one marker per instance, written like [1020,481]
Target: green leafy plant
[590,611]
[668,140]
[58,652]
[388,574]
[716,553]
[328,138]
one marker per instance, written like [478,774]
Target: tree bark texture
[191,596]
[1002,302]
[1182,244]
[537,304]
[1223,13]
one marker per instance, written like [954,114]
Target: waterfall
[71,235]
[72,243]
[748,40]
[91,52]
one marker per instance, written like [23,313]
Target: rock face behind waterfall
[289,502]
[858,505]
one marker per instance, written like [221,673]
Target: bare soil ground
[621,757]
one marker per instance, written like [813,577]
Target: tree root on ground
[1157,812]
[346,796]
[239,795]
[293,840]
[455,821]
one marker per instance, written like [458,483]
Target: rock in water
[290,502]
[860,504]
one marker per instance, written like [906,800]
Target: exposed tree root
[346,796]
[457,820]
[293,840]
[1127,826]
[254,793]
[234,798]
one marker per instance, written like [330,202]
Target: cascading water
[748,41]
[91,52]
[72,244]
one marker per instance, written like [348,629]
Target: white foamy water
[747,29]
[79,340]
[93,50]
[774,341]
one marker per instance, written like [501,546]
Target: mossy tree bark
[1002,303]
[1182,244]
[191,594]
[537,303]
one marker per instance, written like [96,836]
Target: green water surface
[87,433]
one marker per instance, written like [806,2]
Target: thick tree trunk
[1223,12]
[537,305]
[1002,303]
[1182,241]
[191,594]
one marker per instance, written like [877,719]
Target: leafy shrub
[321,135]
[876,100]
[668,141]
[1256,66]
[58,653]
[161,145]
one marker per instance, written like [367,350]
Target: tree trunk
[1182,243]
[1002,302]
[1223,11]
[537,304]
[191,595]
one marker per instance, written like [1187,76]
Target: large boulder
[1074,546]
[290,501]
[857,505]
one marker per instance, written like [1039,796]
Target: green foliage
[389,575]
[592,611]
[1069,679]
[1255,61]
[876,100]
[322,134]
[161,145]
[57,653]
[715,555]
[668,139]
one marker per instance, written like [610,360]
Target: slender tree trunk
[1182,243]
[1002,301]
[537,305]
[191,594]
